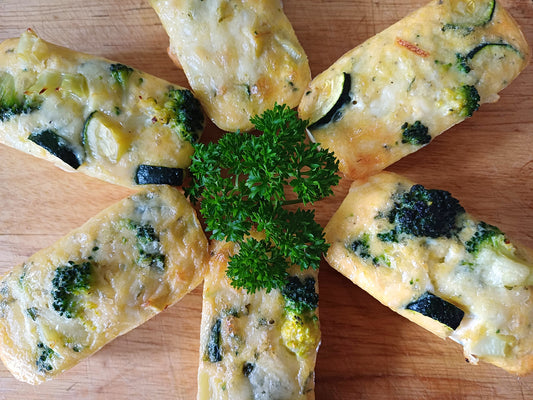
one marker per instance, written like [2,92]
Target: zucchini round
[464,61]
[340,95]
[467,15]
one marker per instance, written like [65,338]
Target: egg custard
[101,280]
[393,94]
[418,252]
[89,114]
[240,57]
[257,346]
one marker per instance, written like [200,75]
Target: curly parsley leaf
[244,183]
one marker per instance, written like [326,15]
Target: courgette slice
[469,14]
[10,104]
[438,309]
[153,174]
[490,50]
[337,94]
[213,351]
[57,146]
[8,94]
[103,138]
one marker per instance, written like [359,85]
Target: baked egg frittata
[418,252]
[101,280]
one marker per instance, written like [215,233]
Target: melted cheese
[408,73]
[266,352]
[239,57]
[129,118]
[146,253]
[494,293]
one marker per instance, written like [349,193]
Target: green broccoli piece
[121,73]
[493,254]
[300,296]
[361,247]
[149,247]
[467,98]
[69,284]
[10,104]
[415,134]
[423,212]
[487,236]
[43,362]
[462,63]
[184,114]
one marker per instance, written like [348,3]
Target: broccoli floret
[10,104]
[416,134]
[495,258]
[467,98]
[184,114]
[361,247]
[423,212]
[300,296]
[69,283]
[487,236]
[462,63]
[149,247]
[121,73]
[43,362]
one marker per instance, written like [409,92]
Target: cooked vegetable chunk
[101,280]
[57,146]
[438,309]
[83,112]
[446,271]
[240,57]
[152,174]
[431,70]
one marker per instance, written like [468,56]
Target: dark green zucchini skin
[156,175]
[58,146]
[333,114]
[464,59]
[469,28]
[438,309]
[214,353]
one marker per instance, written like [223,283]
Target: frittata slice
[92,115]
[393,94]
[240,57]
[119,269]
[418,252]
[260,345]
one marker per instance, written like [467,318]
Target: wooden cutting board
[367,351]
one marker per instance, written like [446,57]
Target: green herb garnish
[243,183]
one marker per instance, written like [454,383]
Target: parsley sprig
[244,183]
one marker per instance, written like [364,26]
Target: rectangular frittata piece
[257,346]
[90,114]
[98,282]
[240,57]
[418,252]
[397,91]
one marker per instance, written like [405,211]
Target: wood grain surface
[367,351]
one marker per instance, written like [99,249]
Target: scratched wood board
[367,351]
